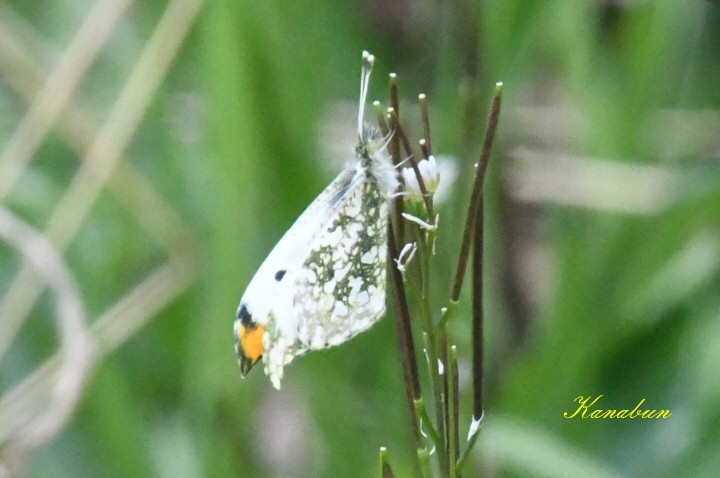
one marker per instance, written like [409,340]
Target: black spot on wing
[280,274]
[245,316]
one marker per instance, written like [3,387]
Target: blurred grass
[581,300]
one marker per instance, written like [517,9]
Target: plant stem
[424,459]
[452,412]
[477,311]
[385,468]
[472,438]
[426,122]
[475,220]
[407,344]
[475,197]
[427,423]
[445,409]
[431,345]
[380,114]
[427,197]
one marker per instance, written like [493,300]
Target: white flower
[430,175]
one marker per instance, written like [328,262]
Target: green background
[589,289]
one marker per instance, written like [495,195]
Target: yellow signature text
[588,408]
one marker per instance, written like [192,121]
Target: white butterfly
[324,282]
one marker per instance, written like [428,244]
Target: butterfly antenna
[367,64]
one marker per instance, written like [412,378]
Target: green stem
[471,442]
[446,410]
[452,401]
[448,313]
[427,424]
[431,344]
[424,459]
[385,468]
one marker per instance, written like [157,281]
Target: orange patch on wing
[251,341]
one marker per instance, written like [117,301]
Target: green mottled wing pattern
[341,285]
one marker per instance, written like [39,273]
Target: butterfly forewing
[276,271]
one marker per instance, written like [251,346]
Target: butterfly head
[248,340]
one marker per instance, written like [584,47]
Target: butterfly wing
[289,253]
[340,288]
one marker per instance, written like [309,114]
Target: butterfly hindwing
[340,287]
[336,288]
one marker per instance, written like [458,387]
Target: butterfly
[324,282]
